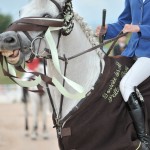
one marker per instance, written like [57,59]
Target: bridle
[40,24]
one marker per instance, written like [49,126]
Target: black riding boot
[137,115]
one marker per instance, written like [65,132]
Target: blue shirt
[136,12]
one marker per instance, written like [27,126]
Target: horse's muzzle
[10,46]
[9,41]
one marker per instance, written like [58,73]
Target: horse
[40,103]
[99,119]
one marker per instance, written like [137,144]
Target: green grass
[6,80]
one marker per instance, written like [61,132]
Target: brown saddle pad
[103,122]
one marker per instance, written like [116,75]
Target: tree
[5,20]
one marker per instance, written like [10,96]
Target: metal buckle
[38,54]
[139,95]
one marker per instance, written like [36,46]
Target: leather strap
[57,5]
[25,27]
[41,21]
[34,24]
[65,132]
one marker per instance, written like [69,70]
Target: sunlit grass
[6,80]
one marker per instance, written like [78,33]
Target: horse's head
[26,35]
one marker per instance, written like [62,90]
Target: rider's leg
[136,75]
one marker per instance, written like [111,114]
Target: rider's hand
[131,28]
[98,29]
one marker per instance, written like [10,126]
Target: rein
[114,40]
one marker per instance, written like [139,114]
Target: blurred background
[11,108]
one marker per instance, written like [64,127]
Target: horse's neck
[84,70]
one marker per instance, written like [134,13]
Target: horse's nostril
[9,40]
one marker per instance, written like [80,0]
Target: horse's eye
[47,16]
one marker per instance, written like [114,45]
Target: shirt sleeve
[144,31]
[125,18]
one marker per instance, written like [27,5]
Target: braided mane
[88,32]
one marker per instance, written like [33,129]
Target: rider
[134,19]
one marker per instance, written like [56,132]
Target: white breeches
[136,75]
